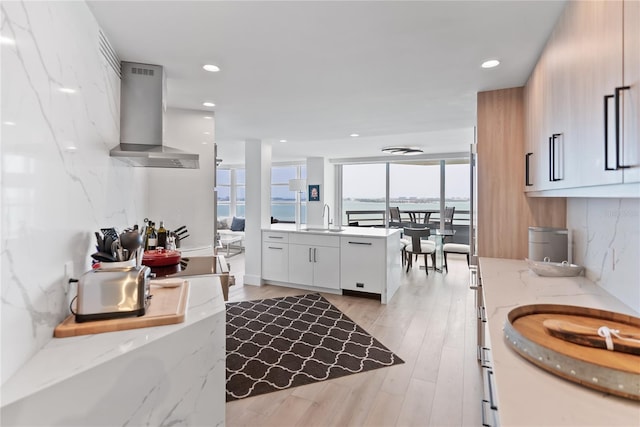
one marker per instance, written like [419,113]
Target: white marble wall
[185,196]
[606,240]
[59,184]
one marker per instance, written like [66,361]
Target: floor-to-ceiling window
[240,188]
[230,185]
[457,189]
[283,200]
[363,189]
[223,186]
[415,187]
[231,192]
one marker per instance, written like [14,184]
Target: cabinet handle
[360,243]
[274,247]
[550,159]
[619,89]
[276,237]
[526,170]
[310,255]
[359,285]
[492,404]
[606,134]
[556,136]
[315,258]
[483,405]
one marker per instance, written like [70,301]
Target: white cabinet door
[275,261]
[535,178]
[362,264]
[596,30]
[631,96]
[301,264]
[314,260]
[326,267]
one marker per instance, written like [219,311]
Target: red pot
[160,257]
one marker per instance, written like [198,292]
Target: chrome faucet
[328,215]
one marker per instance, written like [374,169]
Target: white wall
[55,197]
[257,206]
[606,240]
[185,196]
[315,176]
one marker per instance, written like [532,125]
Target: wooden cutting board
[168,306]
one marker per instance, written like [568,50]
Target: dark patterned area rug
[277,343]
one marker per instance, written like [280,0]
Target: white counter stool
[454,248]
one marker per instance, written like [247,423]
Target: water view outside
[411,187]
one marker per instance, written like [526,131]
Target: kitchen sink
[329,230]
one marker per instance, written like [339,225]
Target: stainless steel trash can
[548,242]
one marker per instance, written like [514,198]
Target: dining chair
[448,217]
[419,245]
[394,213]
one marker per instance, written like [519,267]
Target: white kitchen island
[364,260]
[526,395]
[163,375]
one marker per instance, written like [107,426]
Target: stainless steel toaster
[107,293]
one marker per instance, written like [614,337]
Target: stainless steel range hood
[142,109]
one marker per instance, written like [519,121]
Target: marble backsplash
[606,240]
[60,117]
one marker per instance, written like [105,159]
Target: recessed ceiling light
[208,117]
[66,90]
[7,40]
[283,140]
[70,148]
[207,133]
[354,135]
[208,104]
[204,142]
[211,68]
[9,123]
[490,63]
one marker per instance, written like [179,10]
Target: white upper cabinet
[582,100]
[631,97]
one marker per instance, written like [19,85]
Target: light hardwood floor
[429,323]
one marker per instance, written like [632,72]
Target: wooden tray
[613,372]
[168,306]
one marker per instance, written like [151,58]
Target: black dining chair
[394,214]
[419,245]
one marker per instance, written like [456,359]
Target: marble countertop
[63,358]
[528,395]
[346,231]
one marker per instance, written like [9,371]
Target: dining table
[441,234]
[419,216]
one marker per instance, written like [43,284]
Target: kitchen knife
[182,227]
[182,232]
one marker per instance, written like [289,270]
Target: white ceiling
[313,72]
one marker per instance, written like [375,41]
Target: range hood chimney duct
[142,110]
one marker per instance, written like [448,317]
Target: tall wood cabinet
[504,211]
[581,101]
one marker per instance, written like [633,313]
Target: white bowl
[554,269]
